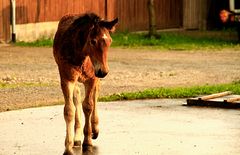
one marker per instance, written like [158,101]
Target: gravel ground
[130,70]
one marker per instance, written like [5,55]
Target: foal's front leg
[69,113]
[88,108]
[78,106]
[94,118]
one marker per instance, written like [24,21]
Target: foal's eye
[94,42]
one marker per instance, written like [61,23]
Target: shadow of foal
[80,50]
[85,151]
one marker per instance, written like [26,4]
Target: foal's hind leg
[77,103]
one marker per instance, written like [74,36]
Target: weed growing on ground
[180,92]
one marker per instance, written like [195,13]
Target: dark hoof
[77,143]
[87,148]
[67,152]
[95,135]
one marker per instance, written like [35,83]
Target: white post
[232,6]
[13,2]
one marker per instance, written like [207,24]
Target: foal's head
[97,44]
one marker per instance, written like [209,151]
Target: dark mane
[90,18]
[72,34]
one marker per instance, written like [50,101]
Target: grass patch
[171,41]
[24,84]
[181,92]
[168,40]
[37,43]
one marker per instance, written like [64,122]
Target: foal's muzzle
[101,74]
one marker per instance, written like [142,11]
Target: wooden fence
[33,11]
[4,21]
[133,14]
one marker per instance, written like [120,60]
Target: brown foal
[80,49]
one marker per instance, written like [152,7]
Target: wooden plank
[220,104]
[191,14]
[232,99]
[229,101]
[111,9]
[207,97]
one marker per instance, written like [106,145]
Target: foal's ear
[109,25]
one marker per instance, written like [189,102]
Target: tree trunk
[152,19]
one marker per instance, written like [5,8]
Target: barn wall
[34,31]
[133,14]
[4,21]
[195,14]
[190,14]
[34,11]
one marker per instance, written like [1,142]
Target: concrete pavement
[142,127]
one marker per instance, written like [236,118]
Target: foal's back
[62,45]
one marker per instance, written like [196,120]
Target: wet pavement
[142,127]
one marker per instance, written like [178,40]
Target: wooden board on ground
[223,100]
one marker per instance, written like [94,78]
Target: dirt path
[130,70]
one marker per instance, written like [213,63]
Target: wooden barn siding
[169,13]
[133,14]
[33,11]
[4,20]
[191,14]
[195,14]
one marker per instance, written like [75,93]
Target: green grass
[171,41]
[24,84]
[168,41]
[155,93]
[37,43]
[180,92]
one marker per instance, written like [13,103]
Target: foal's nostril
[100,73]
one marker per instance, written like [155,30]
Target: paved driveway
[143,127]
